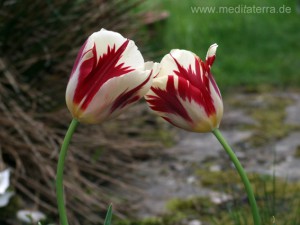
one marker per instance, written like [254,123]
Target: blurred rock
[237,118]
[293,112]
[219,198]
[215,168]
[195,222]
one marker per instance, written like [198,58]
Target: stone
[219,198]
[215,168]
[288,145]
[191,179]
[195,147]
[293,112]
[237,117]
[195,222]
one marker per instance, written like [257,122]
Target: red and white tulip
[109,75]
[185,93]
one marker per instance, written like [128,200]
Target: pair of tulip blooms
[110,74]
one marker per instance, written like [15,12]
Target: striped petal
[211,54]
[115,96]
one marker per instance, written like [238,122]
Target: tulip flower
[185,93]
[109,75]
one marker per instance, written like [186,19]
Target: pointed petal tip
[212,50]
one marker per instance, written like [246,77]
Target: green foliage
[219,180]
[108,216]
[254,48]
[194,206]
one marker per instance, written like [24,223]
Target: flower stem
[242,173]
[60,173]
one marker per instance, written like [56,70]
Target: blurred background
[257,70]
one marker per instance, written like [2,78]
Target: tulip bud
[185,93]
[109,75]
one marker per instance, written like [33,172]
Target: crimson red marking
[210,60]
[200,80]
[167,100]
[128,97]
[78,58]
[93,74]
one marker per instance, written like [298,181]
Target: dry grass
[38,44]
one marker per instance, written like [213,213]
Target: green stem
[242,173]
[60,173]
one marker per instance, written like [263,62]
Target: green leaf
[107,220]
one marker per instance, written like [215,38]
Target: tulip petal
[169,65]
[116,95]
[154,67]
[160,100]
[129,96]
[184,64]
[211,54]
[133,95]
